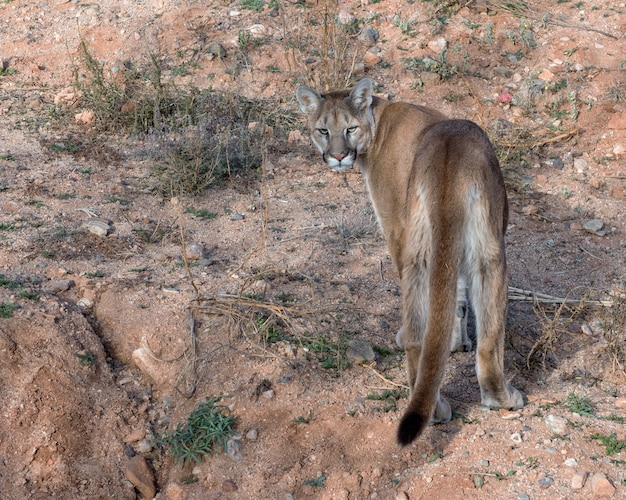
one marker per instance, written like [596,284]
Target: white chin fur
[340,166]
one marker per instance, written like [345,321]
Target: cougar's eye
[323,131]
[351,130]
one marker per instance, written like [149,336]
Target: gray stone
[234,449]
[359,351]
[215,49]
[557,424]
[57,286]
[252,435]
[594,226]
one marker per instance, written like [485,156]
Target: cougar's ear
[361,95]
[308,99]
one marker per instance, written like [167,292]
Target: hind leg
[410,337]
[488,289]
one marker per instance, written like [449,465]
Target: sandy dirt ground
[123,307]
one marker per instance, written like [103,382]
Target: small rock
[345,17]
[502,71]
[359,351]
[557,424]
[99,227]
[505,98]
[478,480]
[523,496]
[570,462]
[233,449]
[369,36]
[601,487]
[229,486]
[257,29]
[194,251]
[530,210]
[516,437]
[252,435]
[269,394]
[136,435]
[558,163]
[138,473]
[586,329]
[438,45]
[216,50]
[541,179]
[546,482]
[144,446]
[580,165]
[578,480]
[58,286]
[370,59]
[402,495]
[484,463]
[237,217]
[620,403]
[594,226]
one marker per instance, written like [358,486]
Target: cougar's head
[341,123]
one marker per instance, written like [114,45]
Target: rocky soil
[122,307]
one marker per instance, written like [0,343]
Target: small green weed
[8,283]
[580,405]
[207,428]
[256,5]
[440,66]
[389,398]
[201,213]
[7,308]
[328,353]
[317,483]
[96,274]
[86,358]
[611,443]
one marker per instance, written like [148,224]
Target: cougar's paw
[443,412]
[512,399]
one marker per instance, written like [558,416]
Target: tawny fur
[438,193]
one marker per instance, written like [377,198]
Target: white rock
[557,424]
[438,45]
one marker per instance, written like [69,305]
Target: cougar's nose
[339,156]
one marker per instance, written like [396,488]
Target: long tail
[436,341]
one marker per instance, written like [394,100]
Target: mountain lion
[439,196]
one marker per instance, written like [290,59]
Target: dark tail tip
[411,426]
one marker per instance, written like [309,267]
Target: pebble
[601,487]
[233,449]
[194,251]
[558,163]
[438,45]
[216,50]
[138,473]
[523,496]
[144,446]
[578,480]
[58,286]
[478,480]
[371,59]
[580,165]
[252,435]
[229,486]
[571,462]
[369,36]
[546,481]
[516,437]
[594,226]
[557,424]
[484,463]
[98,227]
[360,351]
[345,17]
[237,217]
